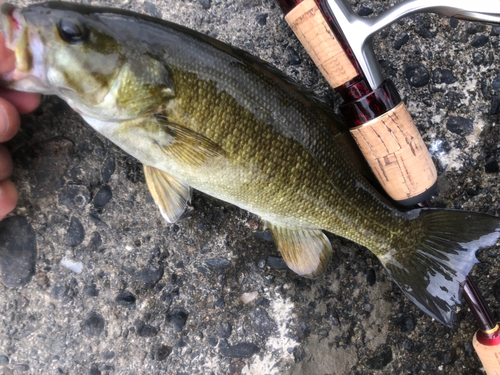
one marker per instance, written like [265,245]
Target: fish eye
[72,31]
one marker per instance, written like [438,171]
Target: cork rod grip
[311,29]
[397,154]
[489,356]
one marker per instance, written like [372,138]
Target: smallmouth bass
[202,115]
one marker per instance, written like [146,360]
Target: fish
[200,114]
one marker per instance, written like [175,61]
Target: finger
[8,198]
[5,163]
[9,120]
[24,102]
[7,57]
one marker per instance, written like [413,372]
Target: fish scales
[202,115]
[303,190]
[258,122]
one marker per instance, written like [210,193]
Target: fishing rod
[486,340]
[340,43]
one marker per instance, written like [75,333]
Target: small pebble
[206,4]
[364,10]
[403,38]
[149,277]
[460,125]
[220,303]
[371,277]
[478,58]
[249,297]
[480,41]
[262,19]
[416,74]
[218,263]
[491,166]
[264,325]
[76,233]
[95,241]
[93,325]
[277,263]
[443,76]
[407,323]
[495,105]
[294,57]
[496,83]
[161,352]
[425,32]
[91,290]
[242,350]
[225,330]
[177,317]
[146,330]
[72,265]
[102,197]
[262,302]
[265,235]
[125,299]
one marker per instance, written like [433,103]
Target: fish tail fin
[432,267]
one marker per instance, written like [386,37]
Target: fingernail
[4,121]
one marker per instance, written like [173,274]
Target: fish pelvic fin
[306,251]
[432,273]
[171,195]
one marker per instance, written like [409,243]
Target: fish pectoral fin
[306,251]
[171,195]
[186,145]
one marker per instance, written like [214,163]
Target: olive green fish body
[201,114]
[281,160]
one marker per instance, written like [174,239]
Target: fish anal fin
[171,195]
[306,251]
[186,145]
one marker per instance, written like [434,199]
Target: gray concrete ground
[105,286]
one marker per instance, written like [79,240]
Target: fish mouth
[28,50]
[10,23]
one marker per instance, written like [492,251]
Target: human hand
[12,103]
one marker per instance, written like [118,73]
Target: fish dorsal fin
[170,194]
[306,251]
[186,145]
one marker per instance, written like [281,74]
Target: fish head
[67,50]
